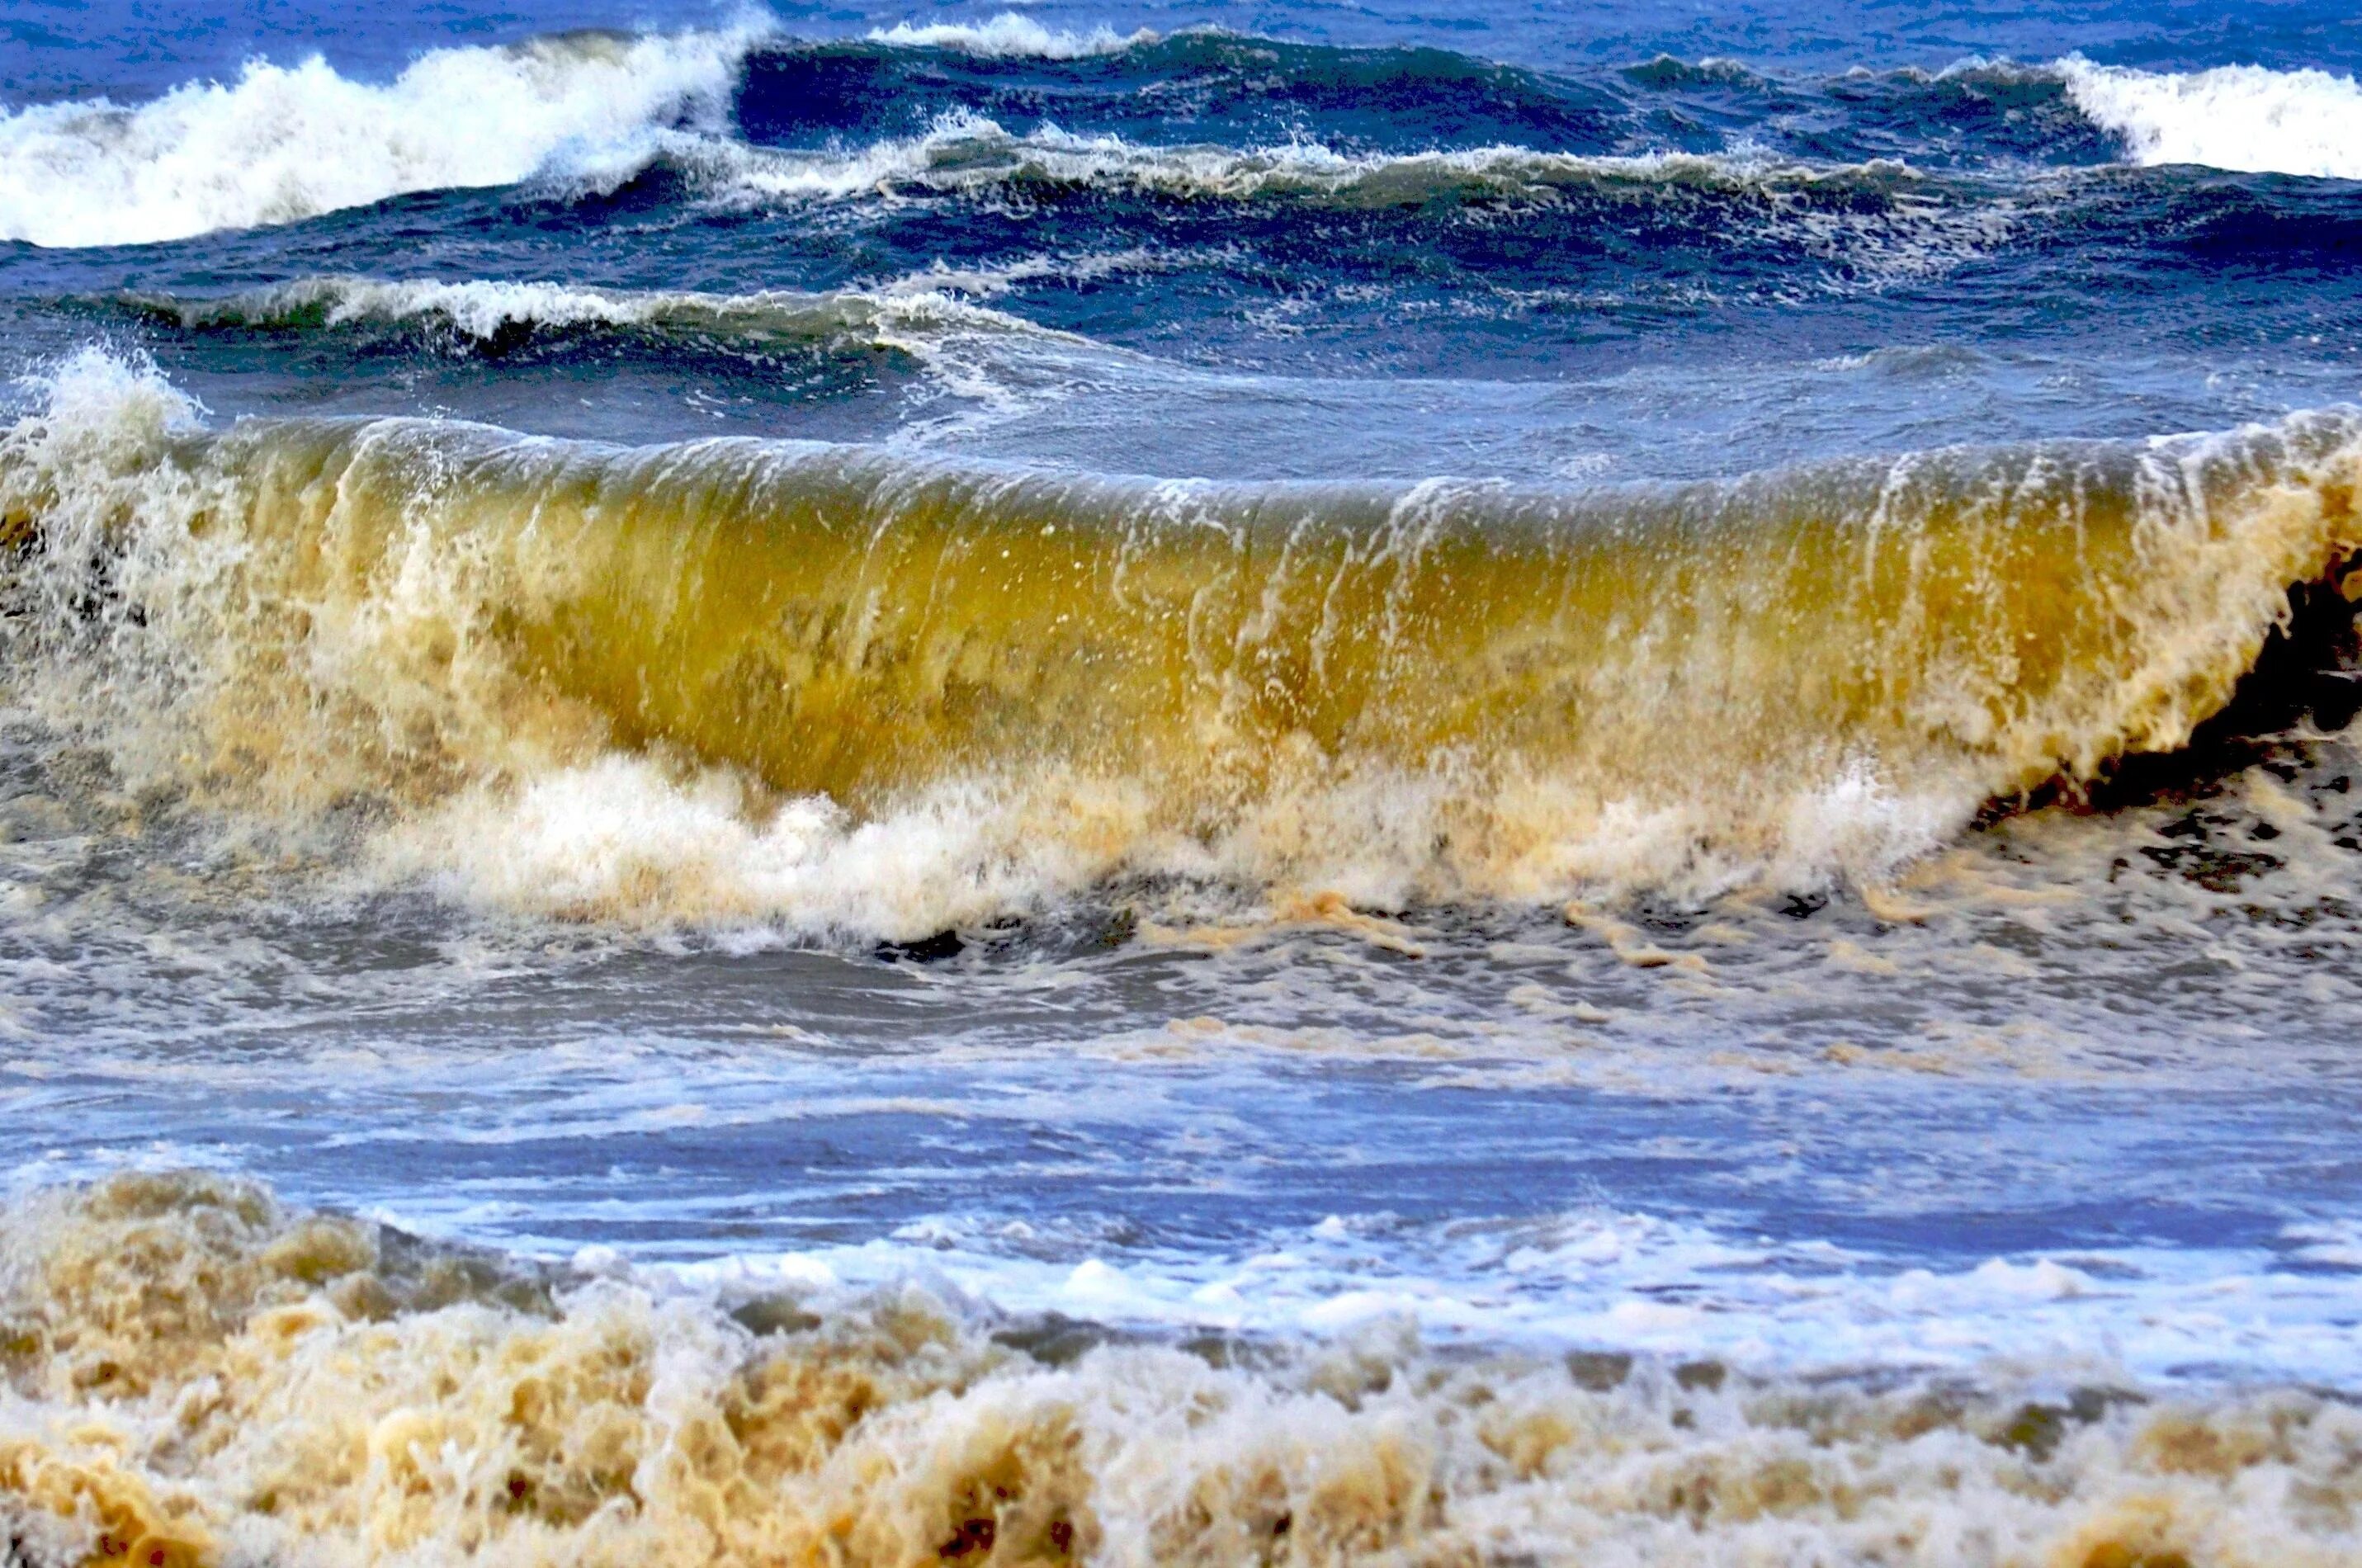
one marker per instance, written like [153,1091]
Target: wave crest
[2235,117]
[289,142]
[1009,36]
[485,311]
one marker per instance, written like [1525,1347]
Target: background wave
[1200,113]
[285,143]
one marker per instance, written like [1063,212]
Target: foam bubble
[284,143]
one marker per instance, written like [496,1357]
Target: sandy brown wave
[196,1375]
[1011,683]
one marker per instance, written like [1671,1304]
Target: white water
[289,142]
[2235,117]
[1009,36]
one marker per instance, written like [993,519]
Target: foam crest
[855,690]
[966,153]
[197,1374]
[284,143]
[1010,35]
[2235,117]
[487,310]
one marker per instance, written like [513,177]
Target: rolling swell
[1447,689]
[1204,86]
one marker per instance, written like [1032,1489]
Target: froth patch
[197,1374]
[2235,117]
[289,142]
[622,840]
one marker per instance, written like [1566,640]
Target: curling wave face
[851,689]
[197,1374]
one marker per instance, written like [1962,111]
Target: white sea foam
[208,1376]
[967,152]
[1010,35]
[482,308]
[1638,1283]
[577,841]
[289,142]
[2235,117]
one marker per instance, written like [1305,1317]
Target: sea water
[1214,783]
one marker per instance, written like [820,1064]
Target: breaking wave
[2235,117]
[861,691]
[197,1374]
[283,143]
[289,142]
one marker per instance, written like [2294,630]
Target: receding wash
[1156,784]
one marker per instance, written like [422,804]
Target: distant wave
[966,153]
[283,143]
[1010,35]
[480,311]
[2235,116]
[289,142]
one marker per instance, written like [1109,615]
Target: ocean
[1247,782]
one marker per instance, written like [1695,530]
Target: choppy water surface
[1150,784]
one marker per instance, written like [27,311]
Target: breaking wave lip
[194,1369]
[860,692]
[284,143]
[2241,117]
